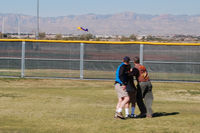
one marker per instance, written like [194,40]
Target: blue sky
[51,8]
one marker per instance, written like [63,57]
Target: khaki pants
[146,88]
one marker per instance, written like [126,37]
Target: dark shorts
[132,95]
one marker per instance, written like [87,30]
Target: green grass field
[89,74]
[82,106]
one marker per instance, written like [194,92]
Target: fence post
[141,53]
[23,60]
[81,60]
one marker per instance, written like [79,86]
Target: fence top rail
[98,42]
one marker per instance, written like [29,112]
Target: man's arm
[121,74]
[136,73]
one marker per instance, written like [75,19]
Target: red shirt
[143,74]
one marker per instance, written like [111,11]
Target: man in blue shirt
[120,86]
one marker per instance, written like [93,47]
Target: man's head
[126,60]
[136,60]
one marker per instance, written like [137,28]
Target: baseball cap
[126,59]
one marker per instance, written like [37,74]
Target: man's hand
[123,87]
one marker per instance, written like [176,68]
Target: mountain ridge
[125,23]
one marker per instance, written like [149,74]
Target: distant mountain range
[125,23]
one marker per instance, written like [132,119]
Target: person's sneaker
[115,116]
[127,116]
[120,115]
[149,116]
[132,116]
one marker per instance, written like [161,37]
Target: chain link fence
[97,60]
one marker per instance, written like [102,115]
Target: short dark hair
[136,60]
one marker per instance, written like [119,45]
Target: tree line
[89,36]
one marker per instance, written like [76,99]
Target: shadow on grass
[160,114]
[10,95]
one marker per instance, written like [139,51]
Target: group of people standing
[129,94]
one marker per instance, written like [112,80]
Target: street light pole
[37,32]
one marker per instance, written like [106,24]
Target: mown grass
[82,106]
[89,74]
